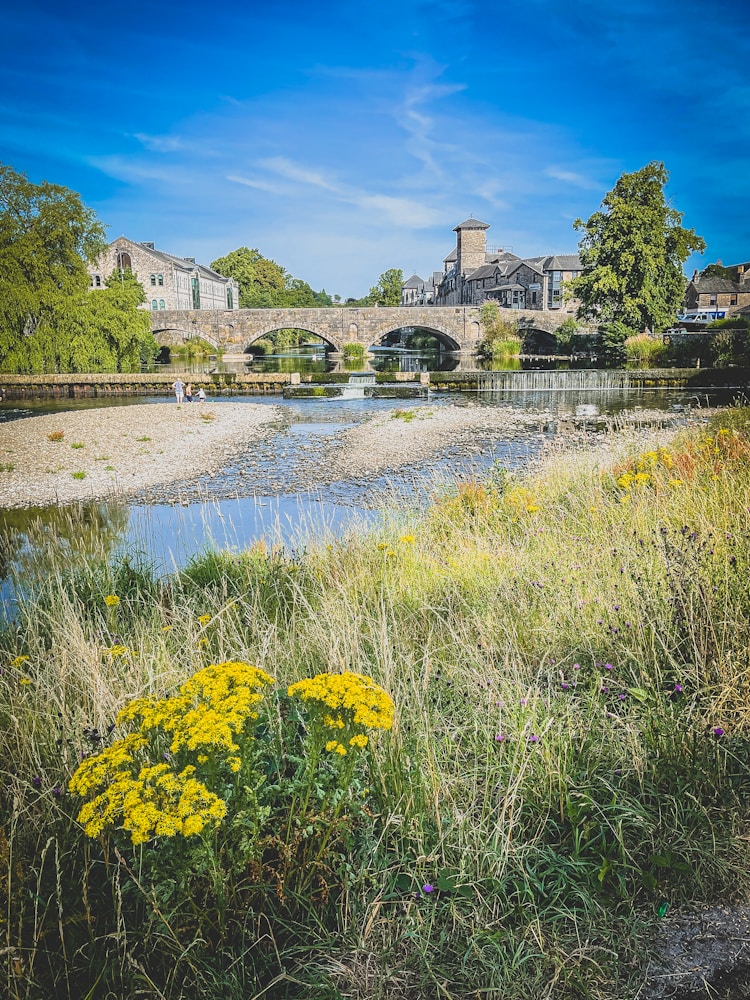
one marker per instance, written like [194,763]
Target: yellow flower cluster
[348,701]
[111,600]
[125,786]
[117,650]
[18,660]
[209,711]
[519,499]
[643,471]
[157,802]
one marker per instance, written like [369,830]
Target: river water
[220,513]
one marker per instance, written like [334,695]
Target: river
[219,513]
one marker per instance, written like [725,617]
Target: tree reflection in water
[33,541]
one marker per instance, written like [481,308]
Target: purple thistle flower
[607,666]
[565,686]
[523,701]
[428,888]
[678,688]
[718,731]
[576,666]
[604,690]
[36,781]
[57,791]
[500,737]
[533,738]
[622,697]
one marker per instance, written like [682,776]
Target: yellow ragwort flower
[111,600]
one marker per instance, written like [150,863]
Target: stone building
[709,292]
[474,273]
[169,282]
[417,291]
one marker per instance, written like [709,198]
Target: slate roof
[500,255]
[181,262]
[563,262]
[414,282]
[531,264]
[453,255]
[471,224]
[486,271]
[714,285]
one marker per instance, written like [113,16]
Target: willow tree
[47,236]
[632,254]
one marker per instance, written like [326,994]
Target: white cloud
[125,168]
[257,184]
[572,177]
[160,143]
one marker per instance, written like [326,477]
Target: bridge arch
[446,342]
[252,338]
[173,336]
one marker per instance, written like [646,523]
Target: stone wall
[470,247]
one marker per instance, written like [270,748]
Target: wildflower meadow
[479,750]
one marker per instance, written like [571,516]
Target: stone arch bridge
[457,328]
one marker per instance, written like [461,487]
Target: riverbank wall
[137,384]
[80,386]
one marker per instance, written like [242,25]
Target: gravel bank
[99,454]
[153,452]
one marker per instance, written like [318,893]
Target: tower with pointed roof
[471,245]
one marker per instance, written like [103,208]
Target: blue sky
[342,139]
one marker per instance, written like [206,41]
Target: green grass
[78,475]
[568,657]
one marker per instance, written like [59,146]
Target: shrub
[353,351]
[500,333]
[644,349]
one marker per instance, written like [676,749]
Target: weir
[583,380]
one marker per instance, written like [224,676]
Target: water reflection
[31,540]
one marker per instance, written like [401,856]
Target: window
[160,278]
[732,300]
[153,279]
[161,304]
[557,275]
[712,300]
[124,262]
[98,280]
[230,299]
[154,304]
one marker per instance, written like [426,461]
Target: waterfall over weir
[583,379]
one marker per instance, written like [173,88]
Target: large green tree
[47,236]
[632,253]
[387,292]
[260,280]
[264,284]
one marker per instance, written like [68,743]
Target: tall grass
[568,656]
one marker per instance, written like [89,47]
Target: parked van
[701,315]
